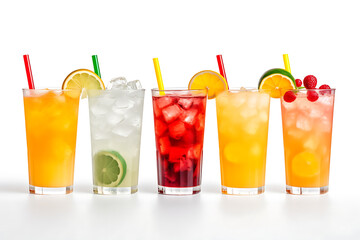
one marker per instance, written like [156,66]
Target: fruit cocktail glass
[51,118]
[179,118]
[307,130]
[243,119]
[115,124]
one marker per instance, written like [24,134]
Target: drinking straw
[28,71]
[158,75]
[287,63]
[96,65]
[221,66]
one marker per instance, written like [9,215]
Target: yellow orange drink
[243,119]
[51,125]
[307,129]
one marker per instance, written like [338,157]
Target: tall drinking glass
[179,118]
[243,119]
[307,130]
[51,124]
[115,124]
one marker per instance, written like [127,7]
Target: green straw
[96,65]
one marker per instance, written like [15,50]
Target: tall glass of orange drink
[51,124]
[243,119]
[307,119]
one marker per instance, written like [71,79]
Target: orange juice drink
[307,130]
[51,123]
[243,119]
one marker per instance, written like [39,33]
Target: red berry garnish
[298,82]
[289,96]
[310,82]
[324,86]
[312,96]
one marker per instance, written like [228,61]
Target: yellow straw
[286,63]
[158,75]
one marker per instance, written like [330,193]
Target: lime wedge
[109,169]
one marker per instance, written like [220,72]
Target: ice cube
[118,83]
[160,127]
[237,100]
[134,85]
[303,123]
[188,116]
[248,112]
[162,102]
[326,100]
[263,101]
[315,112]
[252,99]
[176,154]
[122,130]
[311,143]
[188,138]
[195,152]
[122,104]
[263,116]
[185,164]
[295,133]
[98,109]
[164,145]
[200,122]
[255,149]
[113,118]
[252,127]
[325,124]
[171,113]
[185,103]
[177,130]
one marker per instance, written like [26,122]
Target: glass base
[179,190]
[50,191]
[242,191]
[114,190]
[306,191]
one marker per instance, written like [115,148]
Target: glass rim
[108,90]
[305,90]
[52,89]
[178,90]
[248,89]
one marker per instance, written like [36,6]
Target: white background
[321,38]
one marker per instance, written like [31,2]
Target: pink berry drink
[179,119]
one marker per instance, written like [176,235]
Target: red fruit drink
[179,118]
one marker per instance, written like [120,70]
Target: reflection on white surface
[148,215]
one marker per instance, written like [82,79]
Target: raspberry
[298,82]
[324,86]
[289,96]
[310,82]
[312,96]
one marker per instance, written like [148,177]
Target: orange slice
[210,80]
[83,79]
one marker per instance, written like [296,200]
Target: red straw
[29,72]
[221,66]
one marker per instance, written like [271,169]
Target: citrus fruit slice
[305,164]
[276,81]
[109,169]
[83,79]
[210,80]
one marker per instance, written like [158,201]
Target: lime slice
[109,169]
[83,79]
[210,80]
[277,80]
